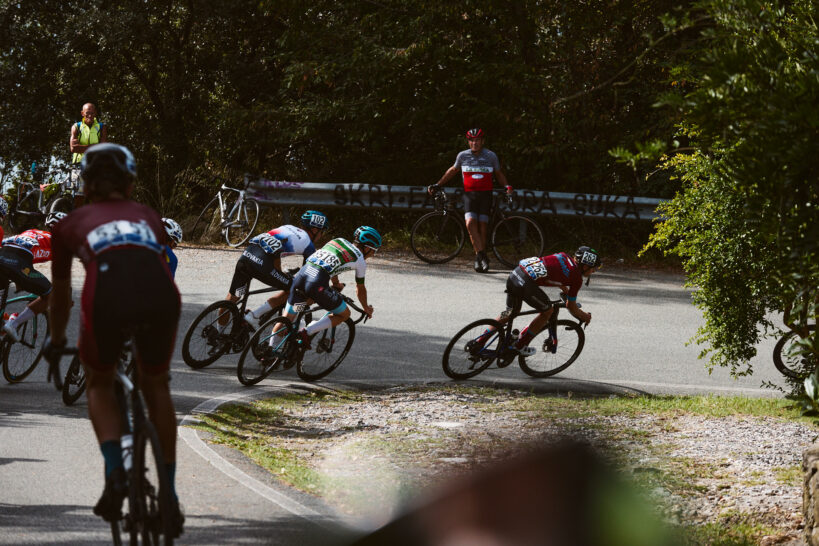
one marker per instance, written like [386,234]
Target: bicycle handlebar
[349,301]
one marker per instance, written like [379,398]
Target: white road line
[193,440]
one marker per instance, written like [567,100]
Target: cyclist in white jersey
[322,268]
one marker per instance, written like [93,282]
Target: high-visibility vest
[87,136]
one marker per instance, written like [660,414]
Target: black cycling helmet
[54,217]
[314,219]
[368,236]
[108,162]
[587,256]
[474,133]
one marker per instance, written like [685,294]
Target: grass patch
[789,475]
[732,529]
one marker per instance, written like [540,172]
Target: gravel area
[396,442]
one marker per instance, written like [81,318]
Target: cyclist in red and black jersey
[559,270]
[128,291]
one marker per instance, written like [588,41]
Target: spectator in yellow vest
[87,132]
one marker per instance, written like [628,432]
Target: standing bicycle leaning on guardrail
[128,290]
[479,167]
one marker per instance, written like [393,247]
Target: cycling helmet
[53,218]
[587,256]
[367,236]
[108,161]
[474,133]
[4,208]
[174,229]
[314,219]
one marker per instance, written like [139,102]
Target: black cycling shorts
[17,265]
[478,204]
[314,283]
[255,263]
[520,287]
[128,291]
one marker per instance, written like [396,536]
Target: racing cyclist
[17,258]
[322,269]
[120,243]
[174,231]
[559,270]
[261,260]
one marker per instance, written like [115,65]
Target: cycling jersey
[171,260]
[478,169]
[337,256]
[285,240]
[128,287]
[34,241]
[558,267]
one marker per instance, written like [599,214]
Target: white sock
[322,324]
[261,310]
[26,315]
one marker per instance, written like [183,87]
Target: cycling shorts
[314,283]
[255,263]
[128,291]
[521,288]
[478,204]
[16,264]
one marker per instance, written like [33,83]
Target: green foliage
[744,221]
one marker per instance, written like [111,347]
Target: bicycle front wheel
[437,237]
[61,204]
[329,348]
[553,357]
[789,359]
[240,227]
[27,214]
[266,351]
[74,382]
[212,334]
[150,503]
[515,238]
[472,349]
[20,359]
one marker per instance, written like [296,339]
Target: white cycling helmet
[54,217]
[174,229]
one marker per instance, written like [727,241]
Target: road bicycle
[267,352]
[70,192]
[74,381]
[790,356]
[151,508]
[20,358]
[438,236]
[230,212]
[221,329]
[480,343]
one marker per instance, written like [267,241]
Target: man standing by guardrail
[479,167]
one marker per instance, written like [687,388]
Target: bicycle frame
[227,218]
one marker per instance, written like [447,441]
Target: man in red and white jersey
[479,167]
[17,257]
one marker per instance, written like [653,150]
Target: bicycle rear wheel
[207,339]
[240,227]
[330,347]
[208,225]
[20,359]
[61,204]
[515,238]
[74,382]
[267,352]
[473,349]
[437,237]
[550,359]
[788,358]
[150,503]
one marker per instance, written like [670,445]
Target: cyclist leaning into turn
[479,167]
[559,270]
[262,260]
[25,249]
[322,269]
[128,290]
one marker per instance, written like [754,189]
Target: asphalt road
[51,469]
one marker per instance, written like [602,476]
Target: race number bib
[122,233]
[325,260]
[269,243]
[534,267]
[22,241]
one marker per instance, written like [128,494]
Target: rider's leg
[537,324]
[104,413]
[38,306]
[327,321]
[157,393]
[474,229]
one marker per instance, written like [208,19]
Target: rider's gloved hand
[432,188]
[52,351]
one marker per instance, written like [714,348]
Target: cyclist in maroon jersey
[559,270]
[128,289]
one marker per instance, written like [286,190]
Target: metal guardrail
[313,194]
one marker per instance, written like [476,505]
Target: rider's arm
[59,308]
[74,141]
[338,285]
[450,172]
[502,179]
[361,294]
[104,133]
[578,313]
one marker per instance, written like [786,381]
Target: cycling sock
[524,339]
[26,315]
[112,453]
[170,469]
[321,324]
[261,310]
